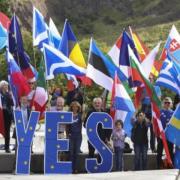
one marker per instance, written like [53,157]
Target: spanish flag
[143,51]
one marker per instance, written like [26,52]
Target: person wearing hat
[165,116]
[7,107]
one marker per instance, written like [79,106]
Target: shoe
[7,151]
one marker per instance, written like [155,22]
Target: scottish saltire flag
[70,47]
[172,45]
[122,105]
[16,48]
[56,63]
[3,37]
[40,34]
[173,128]
[169,76]
[18,80]
[53,35]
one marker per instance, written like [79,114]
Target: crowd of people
[141,122]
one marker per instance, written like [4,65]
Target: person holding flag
[165,116]
[7,104]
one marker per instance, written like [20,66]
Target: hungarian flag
[138,74]
[2,130]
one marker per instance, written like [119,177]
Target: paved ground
[130,175]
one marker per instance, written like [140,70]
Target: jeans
[118,158]
[140,160]
[75,144]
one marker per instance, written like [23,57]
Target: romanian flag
[173,128]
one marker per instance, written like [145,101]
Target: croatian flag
[40,34]
[122,105]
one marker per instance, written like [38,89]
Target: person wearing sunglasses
[166,114]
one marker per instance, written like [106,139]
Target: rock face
[84,13]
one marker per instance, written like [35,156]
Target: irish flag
[138,74]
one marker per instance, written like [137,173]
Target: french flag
[19,81]
[122,106]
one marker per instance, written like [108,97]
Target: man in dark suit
[7,107]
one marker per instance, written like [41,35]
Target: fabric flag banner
[143,51]
[70,47]
[53,35]
[122,105]
[18,80]
[172,45]
[40,34]
[139,75]
[56,63]
[3,37]
[96,68]
[5,21]
[148,62]
[2,128]
[16,48]
[173,128]
[169,76]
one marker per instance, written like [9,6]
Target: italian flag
[138,74]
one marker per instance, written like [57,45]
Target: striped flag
[122,106]
[169,76]
[139,75]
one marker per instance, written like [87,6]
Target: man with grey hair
[7,107]
[97,107]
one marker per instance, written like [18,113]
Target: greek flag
[169,76]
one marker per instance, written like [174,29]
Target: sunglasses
[30,83]
[167,103]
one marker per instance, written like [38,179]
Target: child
[118,136]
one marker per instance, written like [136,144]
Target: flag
[18,80]
[3,37]
[122,105]
[96,68]
[169,76]
[172,45]
[53,35]
[101,69]
[142,50]
[173,128]
[2,128]
[40,34]
[148,62]
[56,62]
[16,48]
[139,75]
[5,21]
[70,47]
